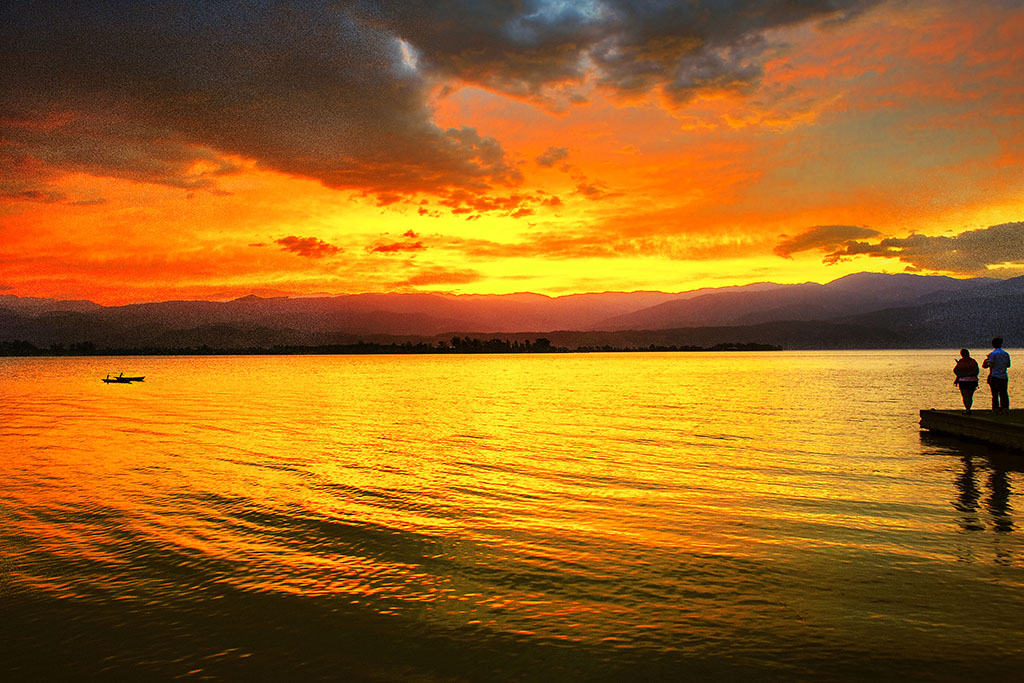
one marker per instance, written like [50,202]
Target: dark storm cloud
[520,47]
[516,47]
[691,47]
[310,247]
[160,91]
[734,70]
[825,237]
[996,249]
[165,91]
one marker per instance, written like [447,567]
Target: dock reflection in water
[983,483]
[620,516]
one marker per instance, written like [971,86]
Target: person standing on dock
[997,363]
[966,371]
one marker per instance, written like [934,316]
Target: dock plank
[980,425]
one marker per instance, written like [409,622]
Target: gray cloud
[161,91]
[516,47]
[635,45]
[730,70]
[998,249]
[825,237]
[167,91]
[691,47]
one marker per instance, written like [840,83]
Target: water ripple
[583,518]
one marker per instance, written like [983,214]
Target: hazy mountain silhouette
[997,308]
[850,295]
[867,310]
[34,305]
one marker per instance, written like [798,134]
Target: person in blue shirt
[997,362]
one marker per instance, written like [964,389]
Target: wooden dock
[980,425]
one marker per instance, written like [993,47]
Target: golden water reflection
[625,502]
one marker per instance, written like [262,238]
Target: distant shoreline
[466,347]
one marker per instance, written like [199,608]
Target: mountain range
[865,310]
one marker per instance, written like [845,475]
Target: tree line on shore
[457,345]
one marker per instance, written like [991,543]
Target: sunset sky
[162,150]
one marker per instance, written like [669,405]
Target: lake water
[702,516]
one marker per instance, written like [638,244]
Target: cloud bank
[995,250]
[174,92]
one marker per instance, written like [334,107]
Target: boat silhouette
[121,379]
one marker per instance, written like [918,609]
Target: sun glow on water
[670,504]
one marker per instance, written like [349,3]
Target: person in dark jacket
[966,371]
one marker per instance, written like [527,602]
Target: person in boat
[966,371]
[997,362]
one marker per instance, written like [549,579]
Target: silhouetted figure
[966,371]
[997,362]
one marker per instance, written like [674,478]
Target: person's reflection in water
[968,495]
[988,507]
[995,508]
[998,501]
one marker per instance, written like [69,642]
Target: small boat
[121,379]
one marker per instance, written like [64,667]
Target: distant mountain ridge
[850,295]
[35,305]
[866,310]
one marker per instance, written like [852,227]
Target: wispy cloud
[45,196]
[431,276]
[514,205]
[396,247]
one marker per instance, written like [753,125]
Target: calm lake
[705,516]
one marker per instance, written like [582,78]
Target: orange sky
[174,152]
